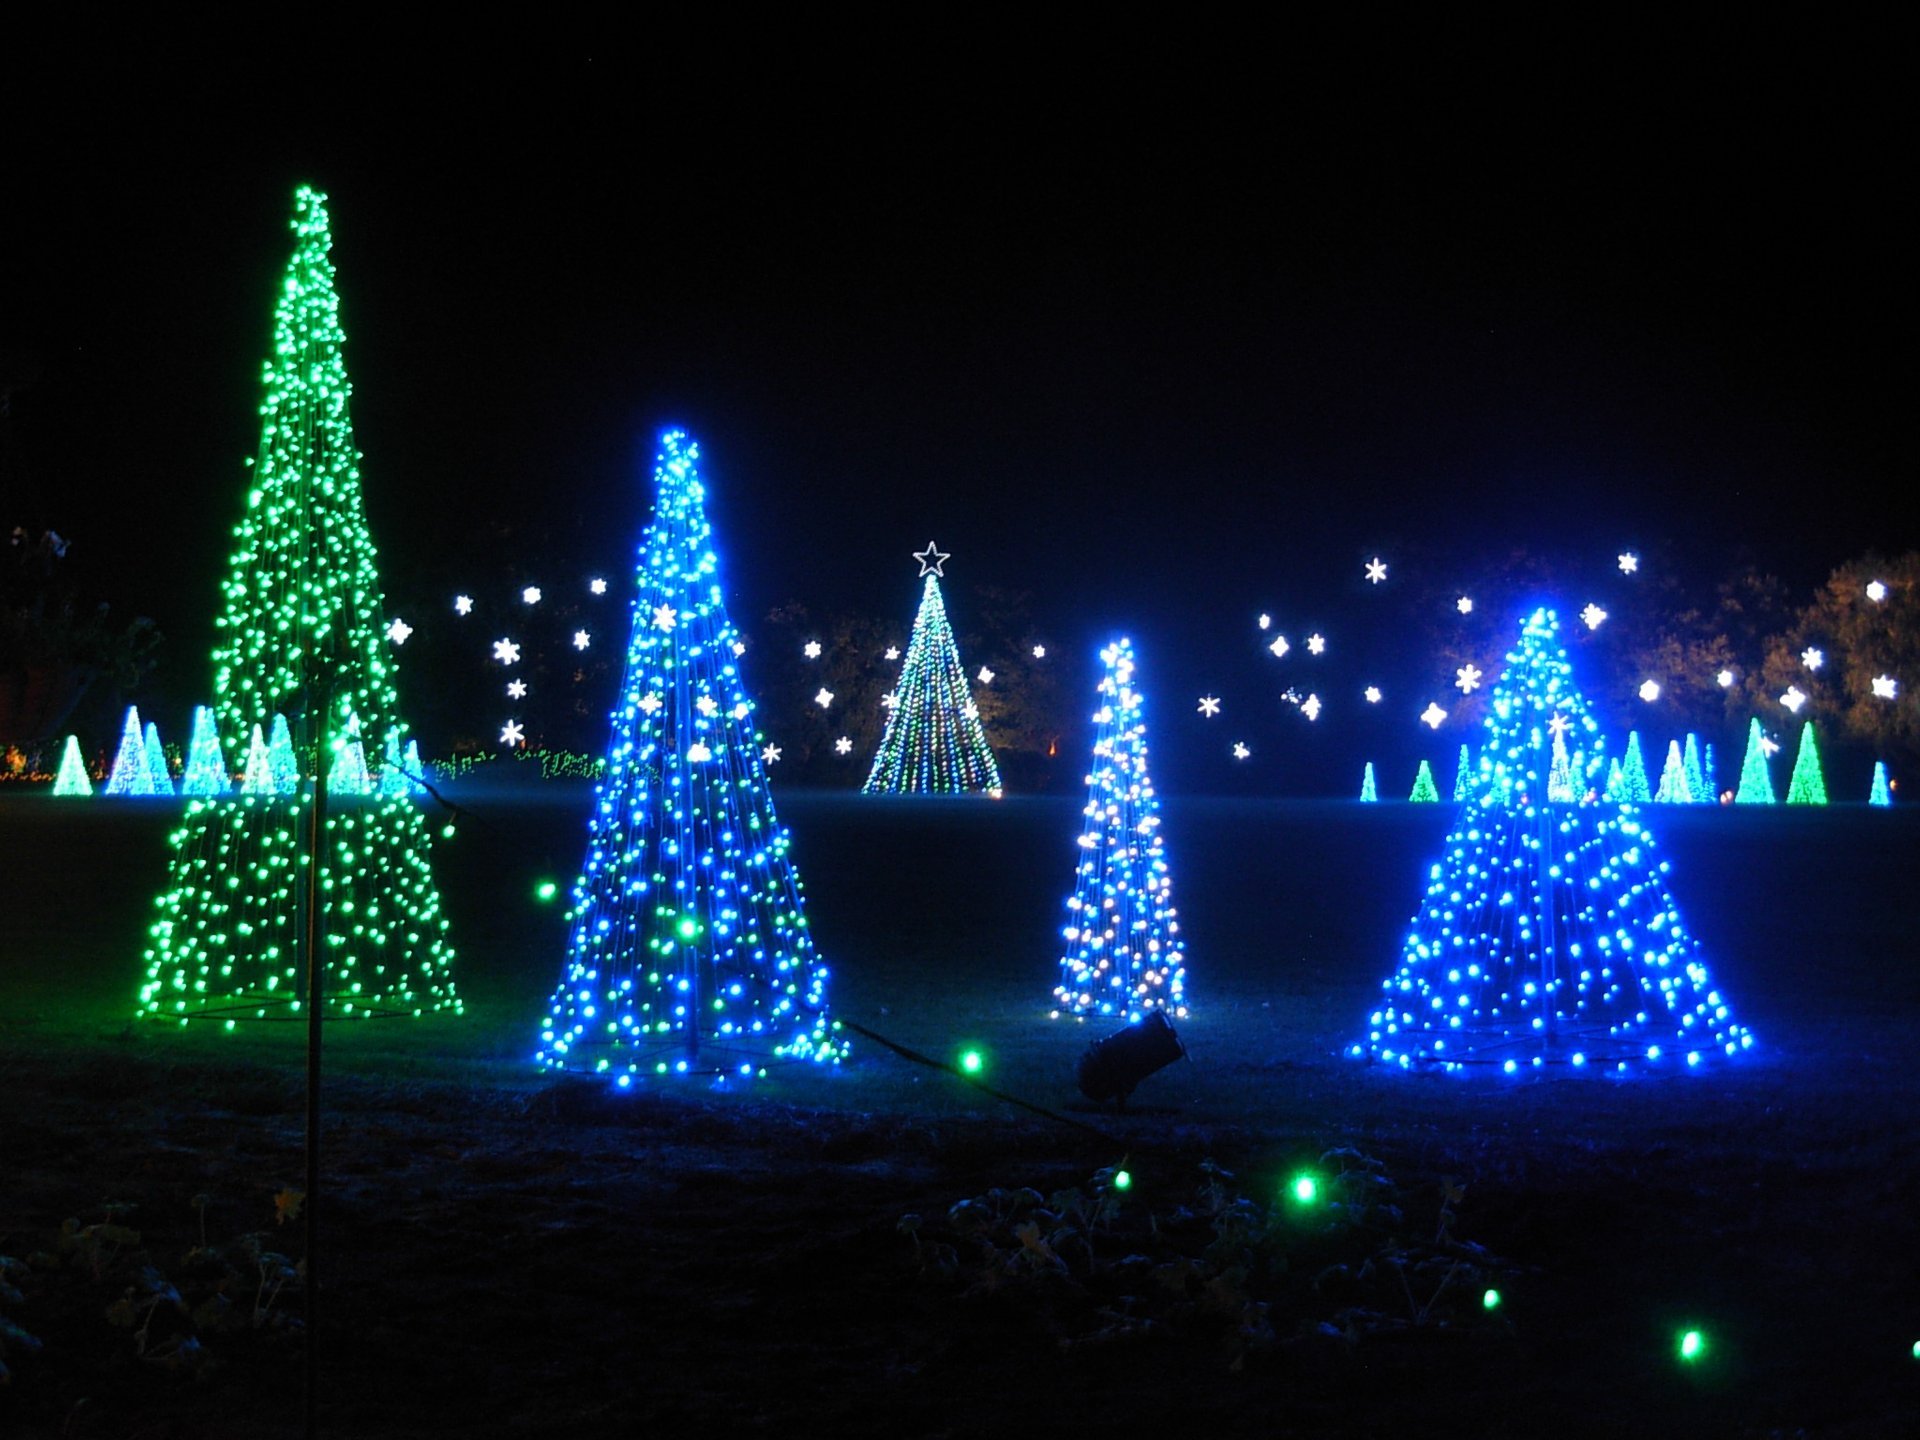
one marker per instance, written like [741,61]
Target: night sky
[1164,345]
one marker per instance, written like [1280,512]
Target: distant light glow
[1885,687]
[1725,679]
[1594,616]
[1649,690]
[1692,1346]
[530,595]
[1876,591]
[1266,621]
[1794,698]
[1813,657]
[1372,692]
[1316,644]
[1464,605]
[398,631]
[1209,705]
[463,604]
[1629,562]
[597,586]
[1040,653]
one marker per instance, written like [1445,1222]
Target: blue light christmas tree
[1634,789]
[1124,955]
[1696,776]
[157,761]
[131,774]
[1548,935]
[934,742]
[206,766]
[1877,794]
[1675,788]
[301,632]
[1463,776]
[72,779]
[1369,793]
[257,779]
[689,950]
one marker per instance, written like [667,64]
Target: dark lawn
[508,1255]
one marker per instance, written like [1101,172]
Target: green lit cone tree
[689,951]
[1547,935]
[301,633]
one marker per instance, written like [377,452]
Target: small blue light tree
[206,767]
[131,774]
[934,741]
[1878,793]
[1369,792]
[1547,935]
[1124,955]
[1634,789]
[689,951]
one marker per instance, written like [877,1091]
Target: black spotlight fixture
[1111,1068]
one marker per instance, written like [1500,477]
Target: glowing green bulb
[688,927]
[1491,1300]
[545,890]
[972,1062]
[1693,1345]
[1123,1180]
[1304,1188]
[1916,1349]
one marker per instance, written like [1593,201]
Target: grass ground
[509,1255]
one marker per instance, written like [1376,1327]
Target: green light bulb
[1491,1300]
[545,890]
[1693,1345]
[1305,1189]
[972,1062]
[1123,1180]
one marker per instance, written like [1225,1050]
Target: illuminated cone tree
[301,634]
[934,741]
[1756,785]
[689,950]
[1547,935]
[1124,954]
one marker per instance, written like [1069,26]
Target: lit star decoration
[1876,591]
[1265,622]
[226,942]
[1467,678]
[664,617]
[516,689]
[893,652]
[934,741]
[1885,687]
[511,734]
[530,595]
[1372,692]
[811,649]
[1629,562]
[398,632]
[463,604]
[1310,707]
[769,753]
[1649,690]
[1812,657]
[1240,751]
[843,746]
[689,951]
[1279,646]
[581,639]
[1794,698]
[1547,935]
[823,698]
[1316,644]
[985,677]
[1725,679]
[1464,605]
[1433,715]
[1209,705]
[597,586]
[1376,570]
[931,560]
[889,700]
[1039,652]
[506,652]
[739,648]
[1594,616]
[1124,957]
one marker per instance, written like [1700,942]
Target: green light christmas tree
[1547,935]
[1424,790]
[1807,785]
[1634,789]
[301,633]
[934,742]
[1463,776]
[689,951]
[1756,785]
[72,779]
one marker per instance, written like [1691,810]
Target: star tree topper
[931,559]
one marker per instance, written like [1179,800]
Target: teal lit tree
[131,774]
[1463,776]
[1879,793]
[1548,935]
[1674,788]
[1124,955]
[1756,784]
[1368,791]
[300,633]
[1634,789]
[157,761]
[1696,775]
[1424,790]
[934,741]
[689,950]
[73,778]
[1807,786]
[206,772]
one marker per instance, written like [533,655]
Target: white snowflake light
[1725,679]
[985,676]
[581,639]
[463,604]
[739,647]
[597,585]
[1812,657]
[1372,692]
[1209,705]
[1266,621]
[512,734]
[1649,690]
[1279,647]
[698,753]
[1376,570]
[1467,677]
[1463,605]
[1629,562]
[769,754]
[650,703]
[1793,699]
[742,710]
[516,689]
[824,698]
[1310,707]
[970,710]
[398,631]
[890,700]
[506,652]
[1433,715]
[843,746]
[1594,616]
[1316,644]
[531,595]
[893,652]
[1885,687]
[1039,652]
[811,649]
[1240,751]
[1876,591]
[707,706]
[664,617]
